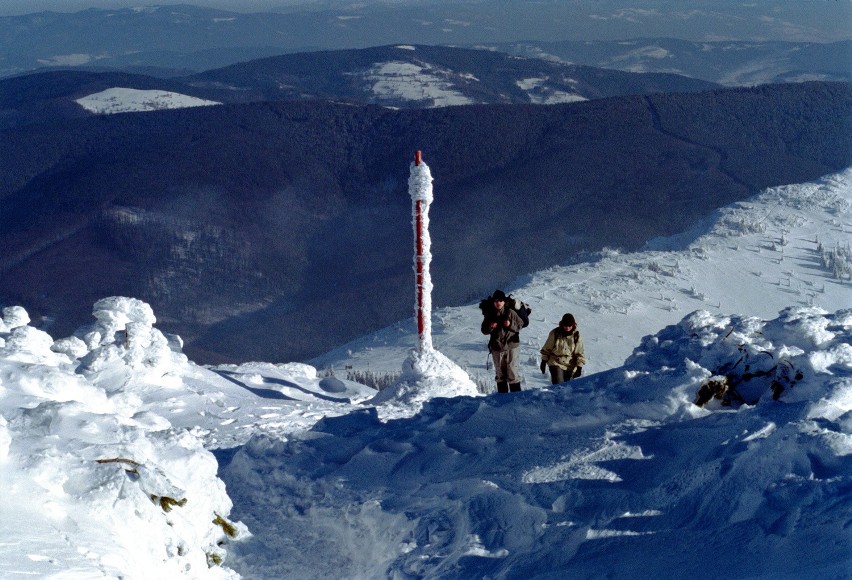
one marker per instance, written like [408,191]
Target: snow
[412,82]
[120,457]
[541,95]
[122,100]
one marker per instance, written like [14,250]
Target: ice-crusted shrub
[28,343]
[13,317]
[609,252]
[139,494]
[124,331]
[837,260]
[743,360]
[663,269]
[72,346]
[483,385]
[113,315]
[739,226]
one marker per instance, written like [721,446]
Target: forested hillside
[291,219]
[393,76]
[411,76]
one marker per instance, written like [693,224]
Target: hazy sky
[14,7]
[792,20]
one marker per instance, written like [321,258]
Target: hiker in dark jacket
[504,325]
[563,352]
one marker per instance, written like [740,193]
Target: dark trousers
[504,387]
[558,375]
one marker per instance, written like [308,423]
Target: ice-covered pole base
[425,375]
[420,189]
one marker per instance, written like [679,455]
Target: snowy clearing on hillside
[540,94]
[121,100]
[411,82]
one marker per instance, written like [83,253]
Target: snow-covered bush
[744,360]
[837,260]
[124,331]
[13,317]
[80,451]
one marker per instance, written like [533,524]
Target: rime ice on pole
[426,373]
[420,189]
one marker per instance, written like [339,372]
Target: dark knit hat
[498,295]
[568,320]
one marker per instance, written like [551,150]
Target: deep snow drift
[616,475]
[109,440]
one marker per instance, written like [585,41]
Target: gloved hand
[578,372]
[543,367]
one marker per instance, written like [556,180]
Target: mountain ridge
[194,38]
[394,76]
[727,62]
[379,75]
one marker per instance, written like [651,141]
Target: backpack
[522,308]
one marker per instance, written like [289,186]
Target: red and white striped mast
[420,189]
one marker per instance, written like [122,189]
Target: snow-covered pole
[420,189]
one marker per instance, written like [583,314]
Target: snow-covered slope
[108,439]
[105,439]
[753,258]
[95,483]
[616,475]
[124,100]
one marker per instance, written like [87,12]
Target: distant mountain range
[425,76]
[178,40]
[402,76]
[730,63]
[291,219]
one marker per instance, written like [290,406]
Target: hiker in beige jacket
[563,352]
